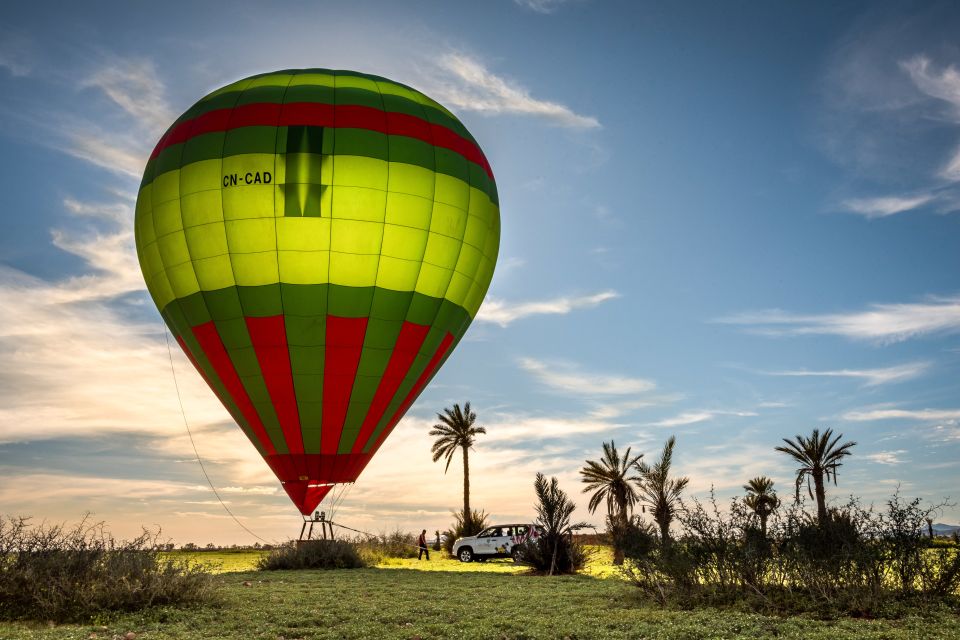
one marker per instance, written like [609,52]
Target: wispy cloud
[884,323]
[701,415]
[114,152]
[925,415]
[871,208]
[16,52]
[80,356]
[871,377]
[886,457]
[543,6]
[135,86]
[503,313]
[569,380]
[470,86]
[728,465]
[885,100]
[942,85]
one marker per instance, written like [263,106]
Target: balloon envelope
[318,242]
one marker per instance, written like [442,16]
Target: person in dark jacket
[422,542]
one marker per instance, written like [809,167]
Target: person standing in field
[422,542]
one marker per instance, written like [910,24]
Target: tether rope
[173,370]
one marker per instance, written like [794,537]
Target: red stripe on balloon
[269,339]
[206,334]
[240,419]
[324,115]
[344,344]
[432,367]
[404,351]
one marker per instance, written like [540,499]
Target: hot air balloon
[318,242]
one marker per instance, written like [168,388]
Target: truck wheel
[465,554]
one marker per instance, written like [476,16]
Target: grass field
[406,599]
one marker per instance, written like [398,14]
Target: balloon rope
[337,500]
[166,336]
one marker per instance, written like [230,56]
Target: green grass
[406,599]
[221,561]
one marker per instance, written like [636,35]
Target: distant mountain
[940,529]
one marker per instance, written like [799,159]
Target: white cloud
[16,54]
[566,378]
[135,87]
[871,377]
[728,466]
[542,6]
[694,417]
[884,323]
[886,457]
[872,208]
[609,410]
[944,85]
[75,359]
[927,415]
[117,153]
[951,170]
[470,86]
[503,313]
[20,488]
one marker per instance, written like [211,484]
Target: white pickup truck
[498,541]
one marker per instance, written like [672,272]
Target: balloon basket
[324,532]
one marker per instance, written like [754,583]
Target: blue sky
[732,223]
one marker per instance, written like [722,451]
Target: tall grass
[59,573]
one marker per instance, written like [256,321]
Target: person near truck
[422,542]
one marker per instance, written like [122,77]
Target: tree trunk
[821,497]
[763,525]
[623,524]
[467,514]
[664,530]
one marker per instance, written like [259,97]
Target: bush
[313,554]
[51,572]
[461,529]
[857,562]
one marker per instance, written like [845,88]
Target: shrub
[461,529]
[397,544]
[313,554]
[854,562]
[554,551]
[52,572]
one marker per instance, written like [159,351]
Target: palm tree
[659,491]
[456,430]
[762,499]
[609,480]
[819,458]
